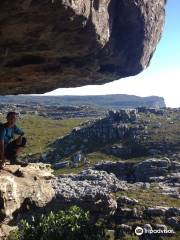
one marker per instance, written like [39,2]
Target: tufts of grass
[151,197]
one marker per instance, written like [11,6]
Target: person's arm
[2,157]
[2,135]
[18,131]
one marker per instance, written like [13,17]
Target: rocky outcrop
[90,189]
[151,169]
[32,190]
[93,135]
[163,173]
[23,187]
[49,44]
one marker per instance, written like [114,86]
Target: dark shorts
[11,148]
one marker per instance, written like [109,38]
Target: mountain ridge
[103,101]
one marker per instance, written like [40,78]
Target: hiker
[9,148]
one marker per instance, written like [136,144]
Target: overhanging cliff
[50,44]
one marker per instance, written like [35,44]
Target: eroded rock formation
[93,135]
[23,186]
[61,43]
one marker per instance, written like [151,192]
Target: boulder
[90,190]
[124,200]
[163,211]
[122,230]
[24,187]
[127,213]
[5,230]
[161,227]
[156,211]
[122,170]
[174,222]
[145,171]
[51,44]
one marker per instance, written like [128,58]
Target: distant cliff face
[61,43]
[111,101]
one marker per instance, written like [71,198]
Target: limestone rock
[95,134]
[146,170]
[22,187]
[124,229]
[5,230]
[164,173]
[90,190]
[162,211]
[49,44]
[126,200]
[174,222]
[156,211]
[120,169]
[161,227]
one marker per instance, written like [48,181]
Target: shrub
[72,224]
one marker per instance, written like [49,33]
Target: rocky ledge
[49,44]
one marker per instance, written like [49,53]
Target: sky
[161,78]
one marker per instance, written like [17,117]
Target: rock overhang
[55,44]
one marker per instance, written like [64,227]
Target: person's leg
[10,152]
[19,150]
[14,148]
[2,164]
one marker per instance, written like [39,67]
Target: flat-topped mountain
[115,101]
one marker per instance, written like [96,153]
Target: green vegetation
[175,237]
[72,224]
[151,197]
[168,131]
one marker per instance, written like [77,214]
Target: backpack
[2,125]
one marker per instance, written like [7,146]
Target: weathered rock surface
[165,174]
[174,222]
[90,189]
[93,135]
[5,231]
[49,44]
[21,187]
[33,190]
[151,169]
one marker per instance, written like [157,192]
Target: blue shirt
[7,134]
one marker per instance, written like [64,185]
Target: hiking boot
[2,164]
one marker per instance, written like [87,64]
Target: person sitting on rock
[9,148]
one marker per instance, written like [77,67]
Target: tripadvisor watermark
[140,231]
